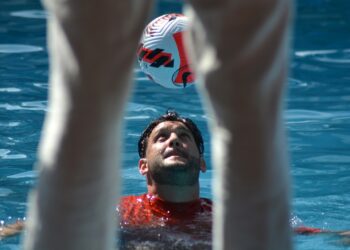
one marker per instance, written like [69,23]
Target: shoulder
[129,205]
[131,197]
[133,210]
[128,200]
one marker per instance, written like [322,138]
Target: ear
[143,166]
[203,165]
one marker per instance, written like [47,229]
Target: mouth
[174,153]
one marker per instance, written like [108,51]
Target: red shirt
[149,222]
[145,211]
[150,211]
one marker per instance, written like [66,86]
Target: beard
[177,173]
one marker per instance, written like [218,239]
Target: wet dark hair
[170,115]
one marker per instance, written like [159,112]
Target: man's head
[170,116]
[171,150]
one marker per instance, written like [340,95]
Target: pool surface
[317,114]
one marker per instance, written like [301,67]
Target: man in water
[171,152]
[171,158]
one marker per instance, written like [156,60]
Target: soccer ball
[161,53]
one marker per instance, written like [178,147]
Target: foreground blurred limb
[242,51]
[243,57]
[92,47]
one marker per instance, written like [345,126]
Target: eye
[185,135]
[160,138]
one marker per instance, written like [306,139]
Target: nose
[174,140]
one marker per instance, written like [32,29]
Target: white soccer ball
[161,53]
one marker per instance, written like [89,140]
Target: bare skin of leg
[242,51]
[92,48]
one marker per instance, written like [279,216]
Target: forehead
[169,126]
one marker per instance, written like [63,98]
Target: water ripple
[141,79]
[9,124]
[332,60]
[37,14]
[18,48]
[5,154]
[296,83]
[5,192]
[27,174]
[305,115]
[136,107]
[137,117]
[41,85]
[306,53]
[10,90]
[35,105]
[329,159]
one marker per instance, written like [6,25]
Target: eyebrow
[177,129]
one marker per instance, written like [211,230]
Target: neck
[175,193]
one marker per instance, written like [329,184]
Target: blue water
[316,115]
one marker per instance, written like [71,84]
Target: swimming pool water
[316,115]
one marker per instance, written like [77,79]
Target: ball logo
[183,76]
[156,57]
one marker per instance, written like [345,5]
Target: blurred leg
[242,53]
[92,50]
